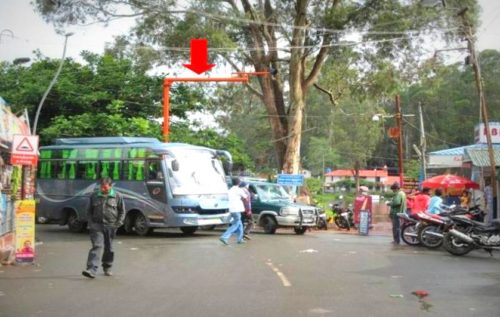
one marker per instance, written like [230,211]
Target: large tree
[294,37]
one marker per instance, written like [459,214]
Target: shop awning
[454,157]
[480,157]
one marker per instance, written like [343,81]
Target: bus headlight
[289,211]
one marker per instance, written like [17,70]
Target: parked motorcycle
[343,217]
[466,235]
[321,222]
[432,227]
[409,229]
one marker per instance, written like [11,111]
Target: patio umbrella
[450,181]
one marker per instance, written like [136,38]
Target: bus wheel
[189,230]
[141,225]
[74,224]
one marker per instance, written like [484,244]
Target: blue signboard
[291,179]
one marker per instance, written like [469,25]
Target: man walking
[398,205]
[105,214]
[247,215]
[236,207]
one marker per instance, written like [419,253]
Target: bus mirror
[175,165]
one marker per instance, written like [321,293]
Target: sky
[22,31]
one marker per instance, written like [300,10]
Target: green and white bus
[164,185]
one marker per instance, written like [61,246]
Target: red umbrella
[449,181]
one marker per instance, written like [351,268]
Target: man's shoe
[108,273]
[242,241]
[88,273]
[223,241]
[247,237]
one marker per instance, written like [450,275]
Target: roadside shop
[473,161]
[15,180]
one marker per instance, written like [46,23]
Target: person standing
[436,202]
[236,207]
[421,202]
[398,205]
[105,214]
[363,202]
[465,199]
[247,214]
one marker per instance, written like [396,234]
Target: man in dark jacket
[105,214]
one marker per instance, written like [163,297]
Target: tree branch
[329,93]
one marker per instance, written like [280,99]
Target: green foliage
[315,185]
[181,132]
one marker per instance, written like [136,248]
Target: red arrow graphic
[199,56]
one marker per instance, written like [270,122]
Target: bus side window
[86,170]
[110,169]
[53,170]
[133,170]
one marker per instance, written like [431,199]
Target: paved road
[318,274]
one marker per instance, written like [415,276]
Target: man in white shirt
[236,207]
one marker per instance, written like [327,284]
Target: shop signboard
[10,125]
[364,222]
[480,132]
[25,230]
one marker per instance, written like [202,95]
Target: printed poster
[25,230]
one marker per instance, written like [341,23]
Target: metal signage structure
[24,150]
[291,179]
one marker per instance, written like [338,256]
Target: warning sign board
[24,150]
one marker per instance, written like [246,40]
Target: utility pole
[423,143]
[400,139]
[482,100]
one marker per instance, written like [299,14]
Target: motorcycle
[321,222]
[343,218]
[432,227]
[408,229]
[466,235]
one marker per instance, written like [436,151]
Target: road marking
[284,280]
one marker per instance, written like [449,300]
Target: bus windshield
[196,172]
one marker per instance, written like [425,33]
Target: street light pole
[54,80]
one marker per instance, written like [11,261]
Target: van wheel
[300,230]
[269,224]
[74,224]
[141,225]
[189,230]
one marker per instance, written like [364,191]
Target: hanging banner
[25,231]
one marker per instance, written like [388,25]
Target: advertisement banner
[25,230]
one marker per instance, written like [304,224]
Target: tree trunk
[292,156]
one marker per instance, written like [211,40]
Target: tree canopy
[294,37]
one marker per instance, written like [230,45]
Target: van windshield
[197,172]
[269,192]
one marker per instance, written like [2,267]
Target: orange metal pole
[167,83]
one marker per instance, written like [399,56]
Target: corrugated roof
[480,157]
[461,150]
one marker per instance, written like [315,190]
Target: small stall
[15,182]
